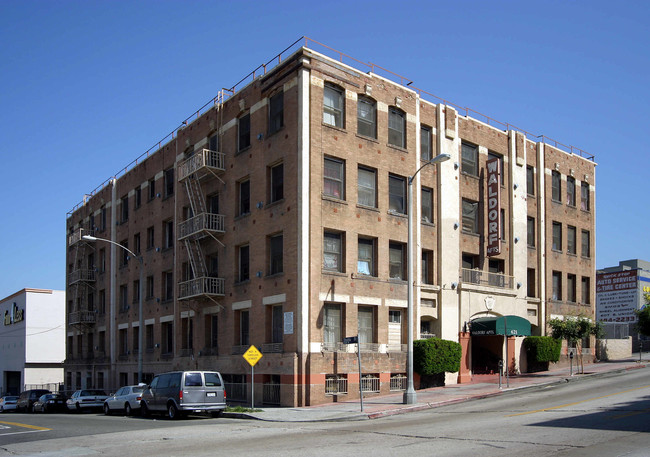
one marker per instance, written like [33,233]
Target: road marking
[576,402]
[33,427]
[633,413]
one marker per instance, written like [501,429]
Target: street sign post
[252,356]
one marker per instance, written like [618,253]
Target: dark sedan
[50,403]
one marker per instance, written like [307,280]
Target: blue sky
[87,86]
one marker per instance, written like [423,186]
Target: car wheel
[144,411]
[127,409]
[172,411]
[107,410]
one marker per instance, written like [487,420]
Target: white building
[32,339]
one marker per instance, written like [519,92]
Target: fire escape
[81,280]
[202,225]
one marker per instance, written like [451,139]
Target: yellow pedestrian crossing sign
[252,355]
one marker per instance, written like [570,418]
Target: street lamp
[409,394]
[140,295]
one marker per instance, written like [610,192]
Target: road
[606,416]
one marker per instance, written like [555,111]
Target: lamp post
[140,295]
[409,394]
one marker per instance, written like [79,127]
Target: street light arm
[436,159]
[94,238]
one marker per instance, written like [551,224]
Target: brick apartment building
[277,216]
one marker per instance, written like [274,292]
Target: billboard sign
[617,296]
[494,206]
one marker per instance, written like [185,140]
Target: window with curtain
[367,187]
[366,116]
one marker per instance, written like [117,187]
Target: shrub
[435,355]
[542,349]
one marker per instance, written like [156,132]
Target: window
[148,333]
[169,182]
[426,204]
[365,324]
[586,244]
[152,189]
[277,324]
[187,333]
[530,235]
[571,288]
[276,173]
[427,267]
[244,131]
[557,236]
[168,284]
[212,331]
[102,260]
[557,285]
[469,261]
[167,337]
[334,178]
[124,254]
[396,127]
[276,112]
[530,180]
[469,159]
[367,187]
[586,290]
[138,197]
[213,203]
[366,116]
[332,323]
[470,216]
[213,142]
[426,152]
[275,254]
[244,191]
[136,291]
[333,105]
[150,287]
[104,215]
[396,194]
[125,209]
[213,265]
[531,283]
[168,227]
[570,191]
[124,298]
[136,340]
[136,243]
[571,239]
[244,328]
[243,263]
[366,264]
[584,196]
[556,186]
[396,261]
[394,316]
[496,271]
[332,251]
[101,306]
[124,342]
[150,238]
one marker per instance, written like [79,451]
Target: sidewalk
[481,386]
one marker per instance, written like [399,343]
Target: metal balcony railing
[201,287]
[484,278]
[76,236]
[236,391]
[398,382]
[82,317]
[204,223]
[370,383]
[269,348]
[203,162]
[335,385]
[81,275]
[271,394]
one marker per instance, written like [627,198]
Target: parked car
[86,399]
[181,392]
[49,403]
[8,403]
[126,399]
[27,398]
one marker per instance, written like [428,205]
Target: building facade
[620,291]
[278,217]
[32,340]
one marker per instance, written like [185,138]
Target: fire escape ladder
[197,261]
[195,194]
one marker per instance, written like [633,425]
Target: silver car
[8,403]
[86,399]
[126,399]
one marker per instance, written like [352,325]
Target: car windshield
[11,398]
[93,392]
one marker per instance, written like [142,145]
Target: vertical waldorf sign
[494,207]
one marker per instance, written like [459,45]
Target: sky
[88,86]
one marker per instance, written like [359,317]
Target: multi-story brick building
[277,216]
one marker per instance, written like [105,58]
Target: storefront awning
[510,325]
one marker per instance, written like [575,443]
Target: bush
[435,355]
[542,349]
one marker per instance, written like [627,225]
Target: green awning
[510,325]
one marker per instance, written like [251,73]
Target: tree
[643,316]
[573,329]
